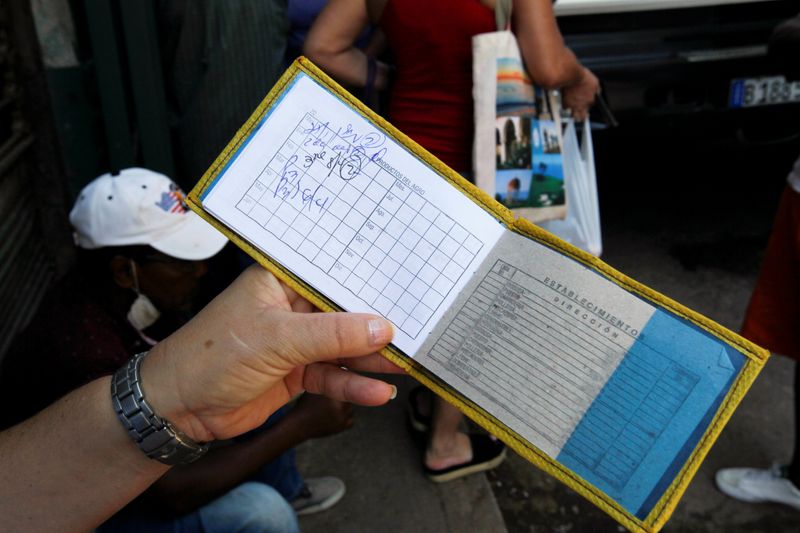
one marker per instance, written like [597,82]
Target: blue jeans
[281,473]
[251,507]
[260,504]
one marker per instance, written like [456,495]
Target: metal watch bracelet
[155,436]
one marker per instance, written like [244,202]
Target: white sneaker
[759,485]
[318,494]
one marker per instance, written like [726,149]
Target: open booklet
[612,388]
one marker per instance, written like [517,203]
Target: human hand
[318,416]
[580,96]
[253,348]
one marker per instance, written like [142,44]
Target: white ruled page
[343,206]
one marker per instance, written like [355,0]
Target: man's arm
[71,466]
[241,358]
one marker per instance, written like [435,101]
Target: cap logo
[172,202]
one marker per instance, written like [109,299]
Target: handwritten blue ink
[287,189]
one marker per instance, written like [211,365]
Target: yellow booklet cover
[612,388]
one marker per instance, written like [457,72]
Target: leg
[773,320]
[249,508]
[281,473]
[773,316]
[447,446]
[311,495]
[452,454]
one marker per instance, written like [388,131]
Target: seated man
[141,258]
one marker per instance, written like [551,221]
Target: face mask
[142,313]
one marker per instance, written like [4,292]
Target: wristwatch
[155,436]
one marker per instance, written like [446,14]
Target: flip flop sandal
[487,453]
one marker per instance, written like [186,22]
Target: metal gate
[33,233]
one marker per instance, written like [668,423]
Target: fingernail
[394,393]
[380,331]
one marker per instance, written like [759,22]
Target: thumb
[310,337]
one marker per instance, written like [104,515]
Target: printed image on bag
[518,141]
[515,96]
[529,169]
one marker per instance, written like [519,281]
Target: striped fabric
[220,57]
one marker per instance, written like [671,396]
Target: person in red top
[431,94]
[431,101]
[773,314]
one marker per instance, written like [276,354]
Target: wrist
[159,384]
[155,436]
[161,388]
[580,78]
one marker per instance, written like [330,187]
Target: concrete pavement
[386,490]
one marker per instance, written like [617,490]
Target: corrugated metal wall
[31,193]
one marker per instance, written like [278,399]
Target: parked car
[668,58]
[705,117]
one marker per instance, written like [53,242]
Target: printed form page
[617,390]
[324,192]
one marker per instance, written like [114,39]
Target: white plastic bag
[581,227]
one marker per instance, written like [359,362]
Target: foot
[759,485]
[318,494]
[445,452]
[484,453]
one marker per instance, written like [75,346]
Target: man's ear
[122,271]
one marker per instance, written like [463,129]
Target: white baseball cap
[142,207]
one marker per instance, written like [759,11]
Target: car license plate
[750,92]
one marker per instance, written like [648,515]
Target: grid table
[327,195]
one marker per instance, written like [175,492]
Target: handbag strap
[502,14]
